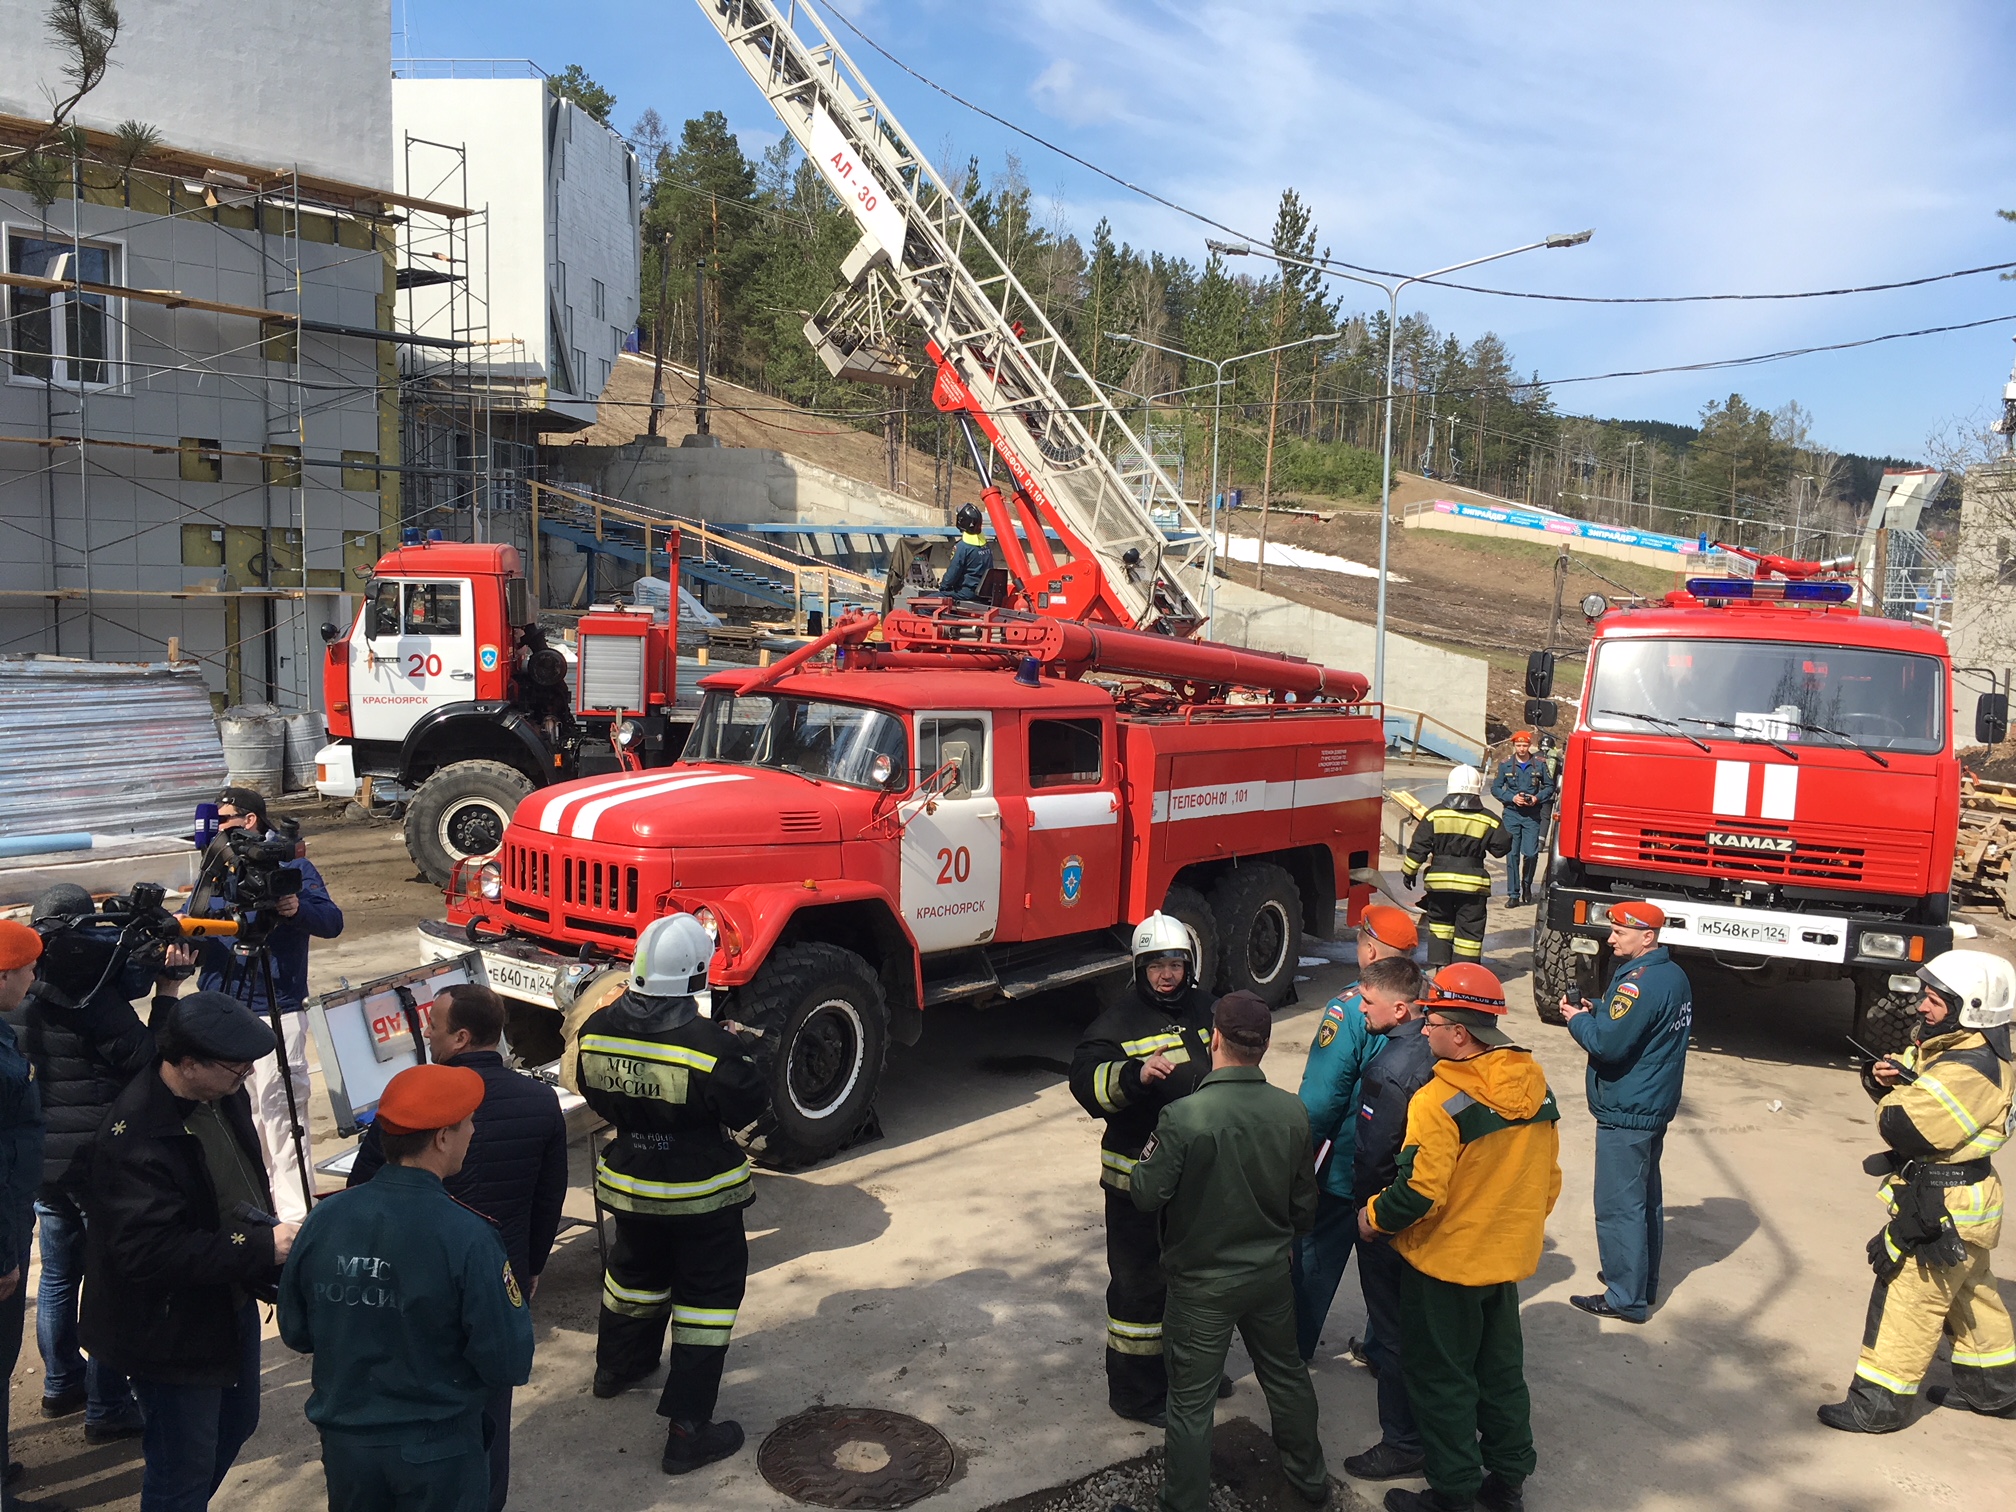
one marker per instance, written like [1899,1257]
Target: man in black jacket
[86,1045]
[1144,1052]
[1390,1080]
[515,1173]
[181,1245]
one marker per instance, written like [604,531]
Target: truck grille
[1833,856]
[595,896]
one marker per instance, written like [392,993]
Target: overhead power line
[1202,219]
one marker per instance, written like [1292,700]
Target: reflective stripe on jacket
[1106,1071]
[1957,1111]
[1451,841]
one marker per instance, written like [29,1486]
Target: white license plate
[1798,937]
[1742,932]
[527,980]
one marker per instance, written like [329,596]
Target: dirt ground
[954,1270]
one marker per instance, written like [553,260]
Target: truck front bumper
[1827,944]
[336,771]
[516,968]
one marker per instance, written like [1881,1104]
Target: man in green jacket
[408,1304]
[1229,1171]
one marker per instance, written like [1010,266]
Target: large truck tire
[1258,911]
[1553,968]
[461,811]
[1884,1019]
[825,1030]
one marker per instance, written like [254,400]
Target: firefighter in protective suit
[1446,856]
[1943,1113]
[1140,1055]
[972,559]
[674,1084]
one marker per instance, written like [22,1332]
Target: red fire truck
[444,694]
[1777,771]
[974,806]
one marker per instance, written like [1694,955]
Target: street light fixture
[1392,293]
[1217,366]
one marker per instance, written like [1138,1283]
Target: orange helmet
[1465,985]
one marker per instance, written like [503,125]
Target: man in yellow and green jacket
[1479,1172]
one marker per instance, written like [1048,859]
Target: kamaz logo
[1775,845]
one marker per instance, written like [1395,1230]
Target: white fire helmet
[1465,779]
[1164,934]
[1980,985]
[671,960]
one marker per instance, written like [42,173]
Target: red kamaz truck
[974,805]
[1777,771]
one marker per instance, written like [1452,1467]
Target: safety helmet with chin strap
[1979,987]
[1161,935]
[1465,780]
[968,518]
[671,960]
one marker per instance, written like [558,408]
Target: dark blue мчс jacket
[972,560]
[1637,1043]
[224,968]
[20,1152]
[515,1173]
[1517,777]
[1385,1090]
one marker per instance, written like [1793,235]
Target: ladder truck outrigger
[949,804]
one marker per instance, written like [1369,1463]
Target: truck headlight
[1885,947]
[490,881]
[1599,913]
[709,921]
[628,734]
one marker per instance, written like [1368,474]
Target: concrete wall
[1445,684]
[732,485]
[282,82]
[562,195]
[1984,586]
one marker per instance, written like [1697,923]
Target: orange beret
[19,945]
[1390,926]
[1638,915]
[1519,735]
[429,1097]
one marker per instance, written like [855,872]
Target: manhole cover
[855,1457]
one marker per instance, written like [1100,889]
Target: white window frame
[59,324]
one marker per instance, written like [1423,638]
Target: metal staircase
[1133,551]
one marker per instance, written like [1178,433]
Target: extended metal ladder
[1134,552]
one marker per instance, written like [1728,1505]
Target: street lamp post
[1392,293]
[1217,366]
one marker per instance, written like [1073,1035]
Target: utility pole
[658,364]
[702,434]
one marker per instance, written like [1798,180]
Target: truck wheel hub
[826,1058]
[1267,943]
[473,827]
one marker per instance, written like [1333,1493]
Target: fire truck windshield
[811,737]
[1770,692]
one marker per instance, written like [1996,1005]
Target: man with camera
[80,1032]
[182,1246]
[281,903]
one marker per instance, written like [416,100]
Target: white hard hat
[1465,779]
[1982,986]
[1164,934]
[672,956]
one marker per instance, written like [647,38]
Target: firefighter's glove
[1885,1258]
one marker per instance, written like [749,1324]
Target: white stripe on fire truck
[1054,811]
[591,814]
[1781,792]
[1214,799]
[1732,788]
[549,816]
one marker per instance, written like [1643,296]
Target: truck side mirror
[1991,718]
[1543,712]
[331,633]
[1540,675]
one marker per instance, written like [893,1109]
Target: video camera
[261,870]
[81,952]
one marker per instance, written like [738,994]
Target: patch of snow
[1247,549]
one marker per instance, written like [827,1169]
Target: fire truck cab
[1775,770]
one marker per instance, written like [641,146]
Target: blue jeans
[64,1368]
[1630,1216]
[194,1433]
[1319,1261]
[1381,1274]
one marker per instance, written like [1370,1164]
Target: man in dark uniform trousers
[406,1300]
[1148,1049]
[1446,856]
[1229,1173]
[1525,786]
[674,1084]
[1637,1044]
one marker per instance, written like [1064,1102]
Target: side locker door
[1072,874]
[951,889]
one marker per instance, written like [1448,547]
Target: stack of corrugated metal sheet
[110,748]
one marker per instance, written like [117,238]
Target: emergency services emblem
[1071,880]
[1326,1032]
[487,657]
[1619,1006]
[511,1287]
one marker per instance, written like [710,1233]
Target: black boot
[1501,1495]
[1868,1409]
[690,1445]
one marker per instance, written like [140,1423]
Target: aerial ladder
[1001,369]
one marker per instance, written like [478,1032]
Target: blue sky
[1715,146]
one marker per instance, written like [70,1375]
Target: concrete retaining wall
[733,485]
